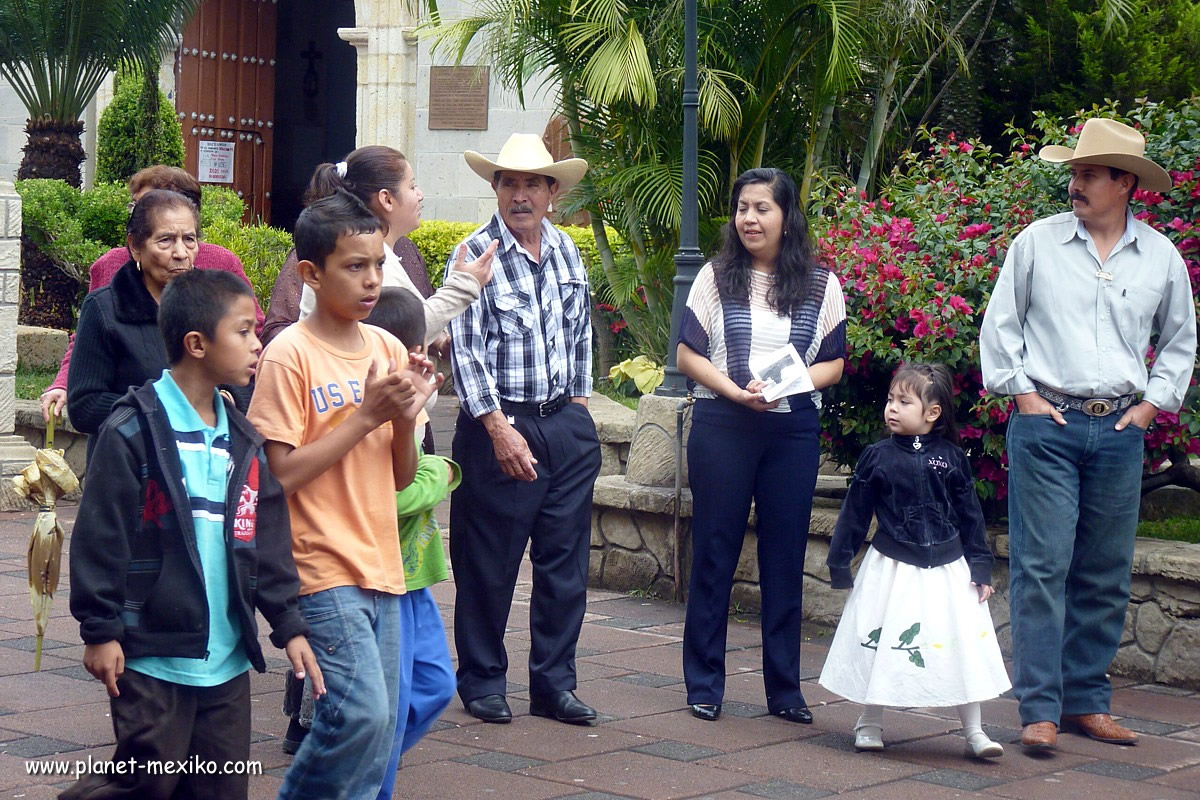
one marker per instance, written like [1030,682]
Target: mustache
[518,208]
[1078,196]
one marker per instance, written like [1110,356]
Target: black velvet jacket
[922,492]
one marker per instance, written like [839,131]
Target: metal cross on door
[226,98]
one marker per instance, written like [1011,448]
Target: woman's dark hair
[145,213]
[934,384]
[160,176]
[796,262]
[369,170]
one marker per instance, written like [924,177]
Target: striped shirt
[729,333]
[528,338]
[204,457]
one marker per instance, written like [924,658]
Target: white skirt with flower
[914,637]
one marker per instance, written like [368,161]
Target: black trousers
[161,723]
[492,517]
[735,455]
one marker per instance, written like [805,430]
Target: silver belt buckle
[1097,407]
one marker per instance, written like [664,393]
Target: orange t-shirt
[344,530]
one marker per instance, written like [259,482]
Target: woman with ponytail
[383,180]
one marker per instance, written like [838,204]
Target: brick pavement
[645,745]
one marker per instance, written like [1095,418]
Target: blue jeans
[1074,495]
[427,679]
[355,634]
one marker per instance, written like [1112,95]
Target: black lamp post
[688,259]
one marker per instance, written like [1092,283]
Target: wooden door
[226,98]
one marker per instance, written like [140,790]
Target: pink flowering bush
[918,263]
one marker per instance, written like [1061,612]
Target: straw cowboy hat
[1112,144]
[525,152]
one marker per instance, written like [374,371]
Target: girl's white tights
[869,730]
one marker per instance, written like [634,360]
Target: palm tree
[56,53]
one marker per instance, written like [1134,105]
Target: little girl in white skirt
[916,629]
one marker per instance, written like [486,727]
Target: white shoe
[980,746]
[868,737]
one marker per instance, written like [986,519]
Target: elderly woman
[118,341]
[208,256]
[763,292]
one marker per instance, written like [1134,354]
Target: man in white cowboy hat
[1065,334]
[522,358]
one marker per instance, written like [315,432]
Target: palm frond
[56,53]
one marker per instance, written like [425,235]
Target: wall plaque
[458,98]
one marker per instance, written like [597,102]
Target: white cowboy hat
[1112,144]
[525,152]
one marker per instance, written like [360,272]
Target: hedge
[435,239]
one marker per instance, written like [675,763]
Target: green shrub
[435,239]
[261,248]
[220,203]
[125,142]
[72,227]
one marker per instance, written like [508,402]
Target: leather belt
[1092,406]
[535,409]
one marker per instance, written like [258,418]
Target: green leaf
[915,657]
[874,635]
[907,637]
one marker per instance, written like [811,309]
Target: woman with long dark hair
[764,291]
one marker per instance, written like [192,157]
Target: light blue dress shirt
[1060,317]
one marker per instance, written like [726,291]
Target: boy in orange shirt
[337,402]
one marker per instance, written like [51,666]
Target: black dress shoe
[706,711]
[799,714]
[490,708]
[562,706]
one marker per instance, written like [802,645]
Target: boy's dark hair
[401,313]
[328,219]
[934,384]
[196,301]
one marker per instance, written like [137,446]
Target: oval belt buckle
[1098,407]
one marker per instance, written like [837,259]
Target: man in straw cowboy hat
[1065,334]
[522,358]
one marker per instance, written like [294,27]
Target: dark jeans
[1074,494]
[166,723]
[492,518]
[735,455]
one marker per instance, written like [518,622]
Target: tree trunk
[48,295]
[52,150]
[816,154]
[883,102]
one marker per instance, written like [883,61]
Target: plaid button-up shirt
[528,338]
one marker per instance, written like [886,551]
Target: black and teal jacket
[135,567]
[921,491]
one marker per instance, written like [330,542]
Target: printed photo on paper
[783,371]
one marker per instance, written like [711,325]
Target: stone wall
[633,548]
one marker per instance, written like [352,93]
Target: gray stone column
[15,452]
